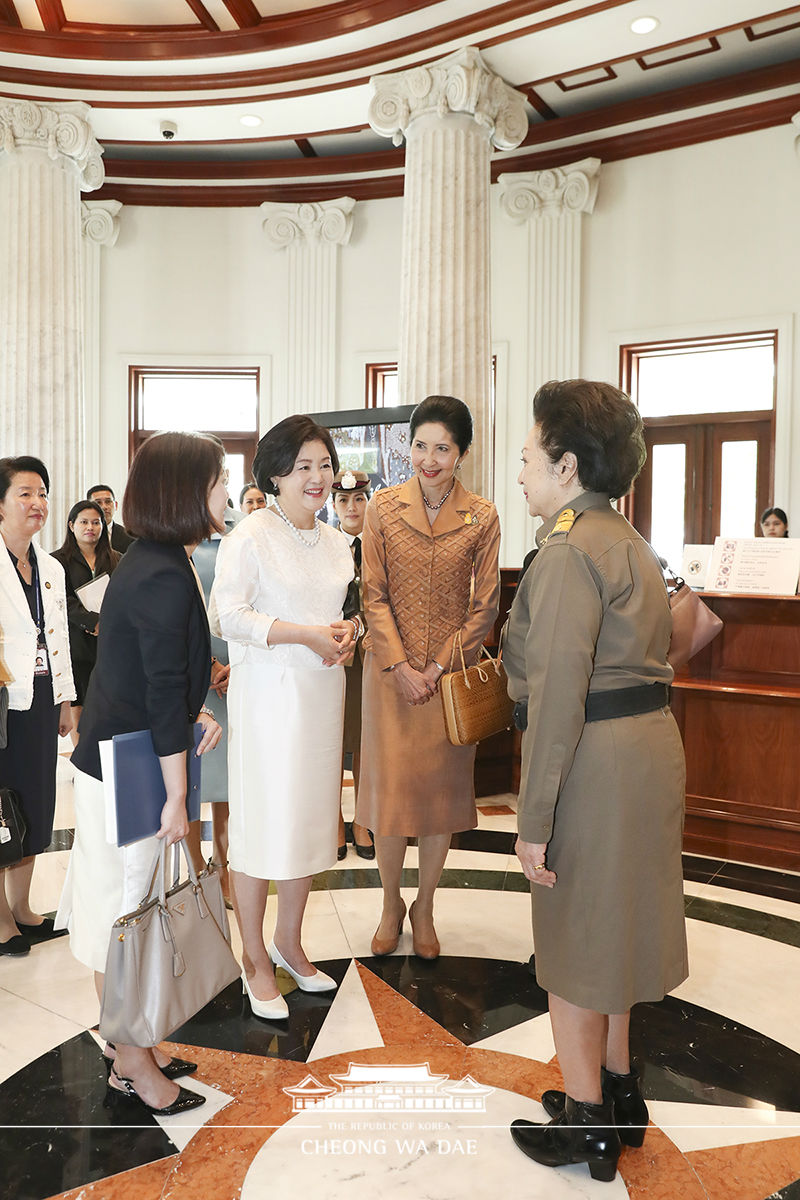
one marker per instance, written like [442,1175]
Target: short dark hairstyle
[105,560]
[166,497]
[597,423]
[775,512]
[247,488]
[447,411]
[278,449]
[99,487]
[9,467]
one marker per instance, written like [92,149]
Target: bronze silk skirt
[611,932]
[413,783]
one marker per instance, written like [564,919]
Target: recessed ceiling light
[645,24]
[250,120]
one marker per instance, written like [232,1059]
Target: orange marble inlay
[142,1183]
[393,1013]
[217,1159]
[750,1171]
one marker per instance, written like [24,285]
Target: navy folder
[139,785]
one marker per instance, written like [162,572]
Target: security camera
[168,130]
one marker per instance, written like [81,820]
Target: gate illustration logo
[386,1088]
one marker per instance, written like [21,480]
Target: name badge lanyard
[42,659]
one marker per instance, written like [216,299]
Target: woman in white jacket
[34,649]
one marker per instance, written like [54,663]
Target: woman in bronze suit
[429,570]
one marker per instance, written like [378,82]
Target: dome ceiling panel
[302,70]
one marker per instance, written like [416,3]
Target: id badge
[41,666]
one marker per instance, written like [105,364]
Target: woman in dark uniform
[84,554]
[602,784]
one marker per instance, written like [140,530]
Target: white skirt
[284,769]
[103,881]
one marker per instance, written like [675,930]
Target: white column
[551,205]
[47,156]
[451,113]
[311,234]
[100,227]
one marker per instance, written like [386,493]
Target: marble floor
[417,1067]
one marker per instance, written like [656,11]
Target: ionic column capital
[330,221]
[100,221]
[61,130]
[570,189]
[459,83]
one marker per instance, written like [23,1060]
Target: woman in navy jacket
[152,672]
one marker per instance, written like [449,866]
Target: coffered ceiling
[299,71]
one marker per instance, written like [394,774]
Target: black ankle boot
[630,1111]
[581,1133]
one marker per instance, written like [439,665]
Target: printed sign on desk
[761,566]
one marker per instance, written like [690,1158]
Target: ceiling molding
[272,33]
[294,189]
[203,15]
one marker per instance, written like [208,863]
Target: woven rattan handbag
[475,699]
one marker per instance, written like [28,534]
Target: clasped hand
[416,687]
[333,643]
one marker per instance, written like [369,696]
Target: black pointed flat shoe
[16,946]
[45,932]
[184,1101]
[176,1068]
[341,852]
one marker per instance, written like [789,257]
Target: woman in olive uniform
[602,784]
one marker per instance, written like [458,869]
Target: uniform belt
[626,702]
[604,706]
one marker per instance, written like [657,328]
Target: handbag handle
[159,871]
[496,662]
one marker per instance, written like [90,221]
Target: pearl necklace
[309,542]
[436,507]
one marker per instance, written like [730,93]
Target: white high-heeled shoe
[271,1010]
[318,982]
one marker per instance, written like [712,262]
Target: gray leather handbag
[168,958]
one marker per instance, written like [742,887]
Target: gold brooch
[470,519]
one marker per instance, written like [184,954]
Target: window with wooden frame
[708,407]
[218,400]
[381,384]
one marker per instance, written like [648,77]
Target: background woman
[281,581]
[35,653]
[429,568]
[774,523]
[84,554]
[152,672]
[602,786]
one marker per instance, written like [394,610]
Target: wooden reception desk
[737,704]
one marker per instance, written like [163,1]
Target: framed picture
[374,440]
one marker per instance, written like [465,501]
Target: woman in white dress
[281,582]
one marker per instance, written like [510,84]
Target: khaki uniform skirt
[611,931]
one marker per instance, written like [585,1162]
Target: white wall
[684,242]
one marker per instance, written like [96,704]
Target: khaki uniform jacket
[590,615]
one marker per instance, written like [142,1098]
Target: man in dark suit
[102,494]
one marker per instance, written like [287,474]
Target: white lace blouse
[265,574]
